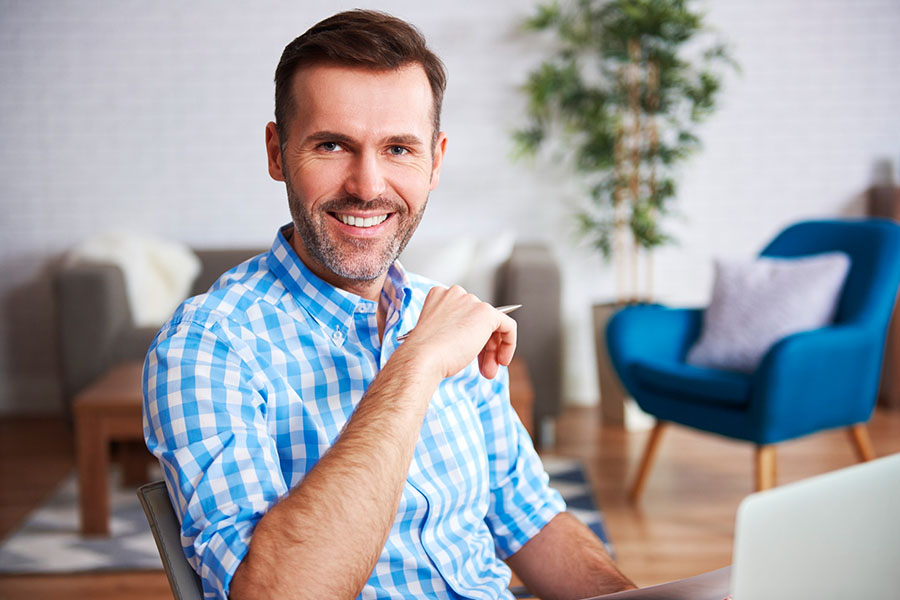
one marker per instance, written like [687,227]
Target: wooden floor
[682,527]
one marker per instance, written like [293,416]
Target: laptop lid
[832,536]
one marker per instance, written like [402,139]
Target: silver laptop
[834,536]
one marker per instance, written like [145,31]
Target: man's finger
[499,349]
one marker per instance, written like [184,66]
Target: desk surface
[708,586]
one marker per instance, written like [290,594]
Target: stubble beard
[354,259]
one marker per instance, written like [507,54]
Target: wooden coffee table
[108,410]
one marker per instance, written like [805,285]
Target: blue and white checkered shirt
[248,385]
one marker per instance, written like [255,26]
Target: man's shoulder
[232,297]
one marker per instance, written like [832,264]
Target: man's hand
[455,327]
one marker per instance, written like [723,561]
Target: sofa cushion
[693,383]
[754,304]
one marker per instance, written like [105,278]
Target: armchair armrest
[652,331]
[816,380]
[93,314]
[649,331]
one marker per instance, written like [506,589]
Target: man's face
[358,166]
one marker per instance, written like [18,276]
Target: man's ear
[440,148]
[273,151]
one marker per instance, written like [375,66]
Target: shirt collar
[332,307]
[397,289]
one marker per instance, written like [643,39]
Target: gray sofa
[96,329]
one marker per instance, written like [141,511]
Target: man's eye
[330,146]
[398,150]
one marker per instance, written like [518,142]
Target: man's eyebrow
[405,140]
[329,136]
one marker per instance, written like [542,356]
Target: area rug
[49,542]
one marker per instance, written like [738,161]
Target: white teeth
[361,222]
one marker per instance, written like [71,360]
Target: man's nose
[365,180]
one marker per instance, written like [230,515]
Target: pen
[504,309]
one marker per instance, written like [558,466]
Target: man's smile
[361,221]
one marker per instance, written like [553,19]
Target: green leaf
[547,16]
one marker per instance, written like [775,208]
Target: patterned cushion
[755,304]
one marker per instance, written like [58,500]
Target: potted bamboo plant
[625,86]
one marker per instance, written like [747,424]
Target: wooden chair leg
[646,462]
[859,437]
[766,467]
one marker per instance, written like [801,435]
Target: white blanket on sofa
[158,273]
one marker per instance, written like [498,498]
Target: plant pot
[616,406]
[612,394]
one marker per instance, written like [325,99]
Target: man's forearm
[566,560]
[324,538]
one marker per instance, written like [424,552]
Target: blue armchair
[806,382]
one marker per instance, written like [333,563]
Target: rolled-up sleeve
[522,502]
[205,420]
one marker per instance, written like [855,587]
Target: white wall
[149,117]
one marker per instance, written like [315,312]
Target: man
[309,453]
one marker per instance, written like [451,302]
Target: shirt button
[337,336]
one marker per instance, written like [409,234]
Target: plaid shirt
[248,385]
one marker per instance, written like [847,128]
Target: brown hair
[358,38]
